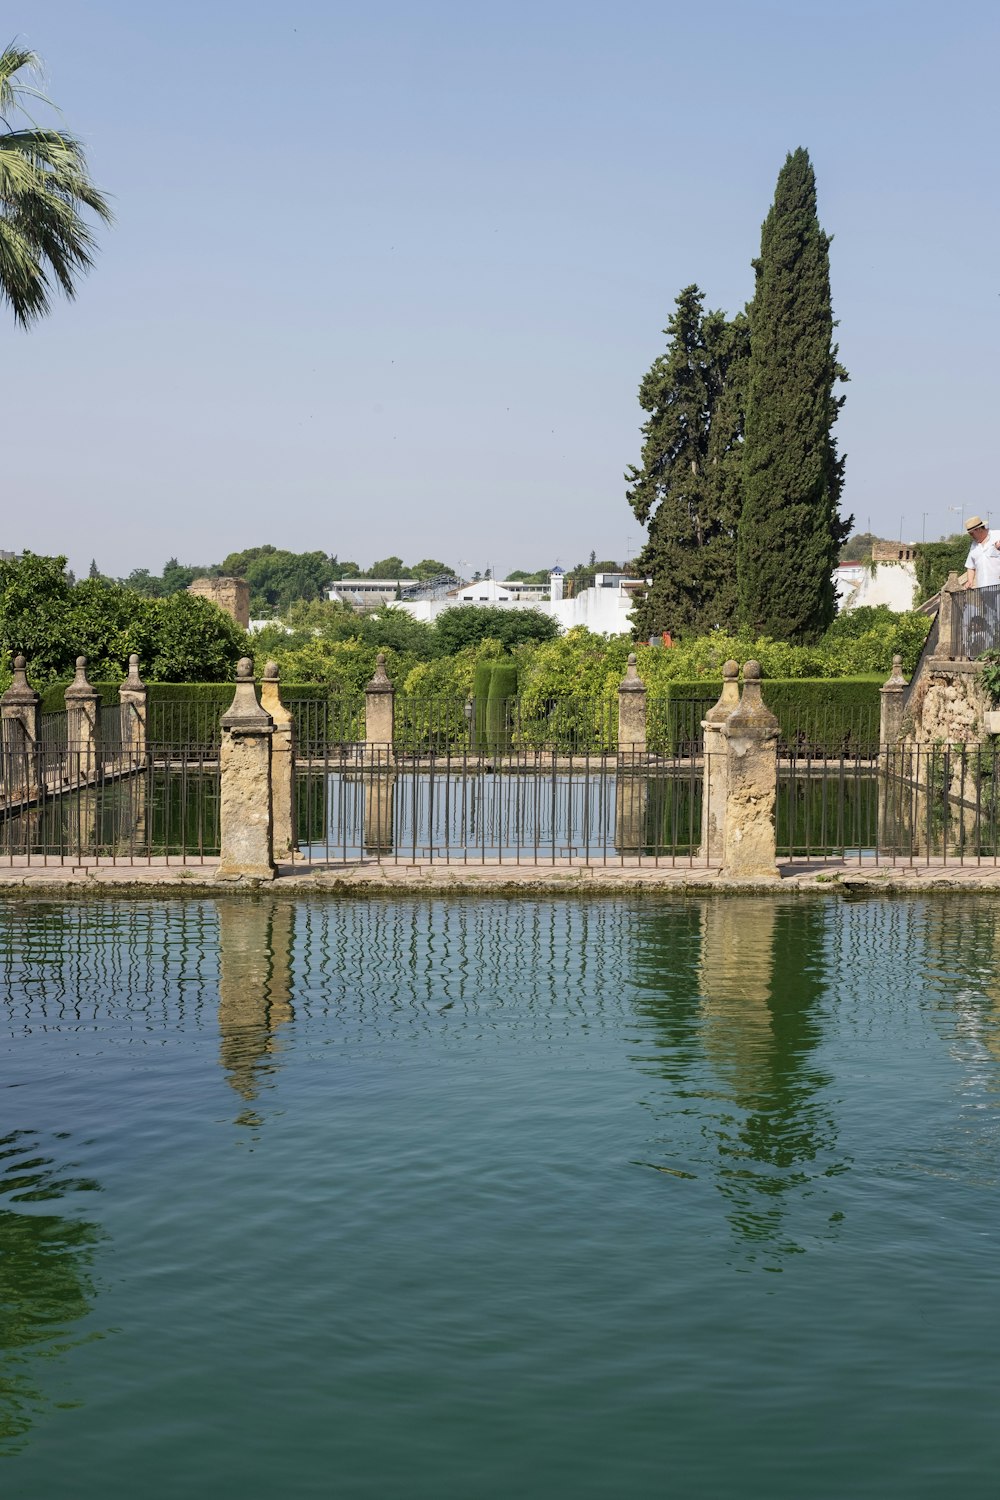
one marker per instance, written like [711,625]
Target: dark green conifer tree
[790,530]
[688,488]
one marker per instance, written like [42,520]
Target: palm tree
[45,243]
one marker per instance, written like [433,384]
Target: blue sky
[386,276]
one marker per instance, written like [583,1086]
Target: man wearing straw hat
[983,562]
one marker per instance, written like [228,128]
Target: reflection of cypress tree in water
[762,976]
[255,978]
[45,1263]
[737,983]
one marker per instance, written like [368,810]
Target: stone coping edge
[849,884]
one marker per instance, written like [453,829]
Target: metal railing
[975,621]
[524,807]
[64,806]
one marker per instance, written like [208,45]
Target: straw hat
[973,522]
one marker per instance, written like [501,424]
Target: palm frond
[45,242]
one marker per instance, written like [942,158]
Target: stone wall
[948,705]
[886,552]
[230,594]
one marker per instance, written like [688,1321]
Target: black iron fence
[975,622]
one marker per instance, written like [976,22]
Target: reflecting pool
[482,1198]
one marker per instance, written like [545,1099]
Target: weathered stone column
[892,796]
[751,735]
[83,731]
[947,642]
[247,851]
[713,795]
[891,706]
[20,710]
[133,695]
[631,710]
[282,763]
[380,716]
[631,780]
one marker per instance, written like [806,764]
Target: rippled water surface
[482,1199]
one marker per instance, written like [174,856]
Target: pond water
[487,1199]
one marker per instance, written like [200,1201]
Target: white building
[604,609]
[892,583]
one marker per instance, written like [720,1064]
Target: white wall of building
[605,611]
[892,583]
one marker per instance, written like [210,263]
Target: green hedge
[818,715]
[503,692]
[210,694]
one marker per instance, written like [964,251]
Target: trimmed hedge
[818,715]
[503,691]
[209,694]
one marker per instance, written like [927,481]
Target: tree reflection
[740,1020]
[45,1277]
[255,992]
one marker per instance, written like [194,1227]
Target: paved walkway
[618,879]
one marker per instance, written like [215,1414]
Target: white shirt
[984,557]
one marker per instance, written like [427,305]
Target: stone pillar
[282,763]
[380,716]
[713,795]
[631,780]
[891,709]
[751,736]
[20,711]
[947,643]
[133,695]
[83,734]
[631,711]
[247,851]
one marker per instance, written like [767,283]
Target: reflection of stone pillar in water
[713,796]
[245,801]
[80,813]
[20,709]
[379,795]
[133,695]
[751,734]
[255,987]
[82,724]
[631,780]
[736,976]
[282,762]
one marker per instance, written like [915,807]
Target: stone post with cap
[20,711]
[83,722]
[950,607]
[751,738]
[282,762]
[245,811]
[714,771]
[380,716]
[631,781]
[133,695]
[894,760]
[891,706]
[631,710]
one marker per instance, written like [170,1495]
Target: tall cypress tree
[790,530]
[688,489]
